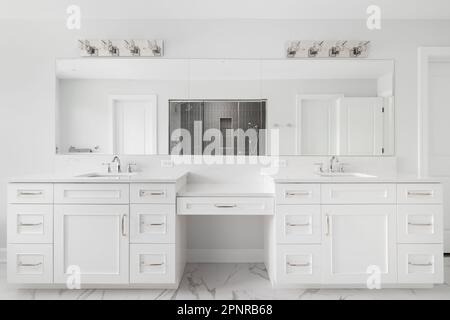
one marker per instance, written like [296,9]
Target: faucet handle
[130,167]
[107,164]
[342,166]
[320,165]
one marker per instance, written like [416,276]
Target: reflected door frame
[425,56]
[151,119]
[298,116]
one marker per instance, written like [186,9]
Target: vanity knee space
[328,234]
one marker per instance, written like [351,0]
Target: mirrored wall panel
[225,107]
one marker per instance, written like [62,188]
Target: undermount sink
[106,175]
[345,174]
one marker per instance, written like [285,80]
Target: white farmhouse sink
[345,174]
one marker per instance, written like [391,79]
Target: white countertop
[135,178]
[379,179]
[225,190]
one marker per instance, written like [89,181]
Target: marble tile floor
[225,281]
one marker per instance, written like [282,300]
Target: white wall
[29,48]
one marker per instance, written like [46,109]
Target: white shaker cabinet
[358,240]
[93,238]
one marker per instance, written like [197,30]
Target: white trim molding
[425,55]
[2,255]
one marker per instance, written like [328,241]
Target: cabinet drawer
[152,263]
[298,193]
[30,263]
[420,223]
[152,193]
[152,223]
[30,193]
[30,223]
[298,224]
[419,193]
[420,263]
[224,206]
[358,193]
[298,264]
[92,193]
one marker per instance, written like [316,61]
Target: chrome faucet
[334,164]
[116,159]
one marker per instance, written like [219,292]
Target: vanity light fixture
[315,49]
[134,50]
[87,48]
[121,48]
[327,49]
[112,49]
[359,50]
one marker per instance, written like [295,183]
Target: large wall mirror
[225,107]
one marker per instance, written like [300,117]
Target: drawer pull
[306,264]
[124,233]
[429,264]
[30,224]
[420,224]
[298,193]
[233,205]
[30,193]
[153,224]
[152,264]
[144,193]
[298,224]
[420,193]
[30,264]
[327,218]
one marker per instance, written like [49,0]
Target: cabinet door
[93,238]
[358,241]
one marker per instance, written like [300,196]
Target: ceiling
[225,9]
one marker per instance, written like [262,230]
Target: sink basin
[345,174]
[106,175]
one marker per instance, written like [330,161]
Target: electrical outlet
[167,164]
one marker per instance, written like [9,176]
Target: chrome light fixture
[315,49]
[112,49]
[121,48]
[87,48]
[327,49]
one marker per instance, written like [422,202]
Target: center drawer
[92,193]
[357,193]
[225,206]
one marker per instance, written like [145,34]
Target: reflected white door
[135,124]
[360,129]
[439,131]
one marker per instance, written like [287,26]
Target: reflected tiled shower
[225,116]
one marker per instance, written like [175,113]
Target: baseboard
[2,255]
[225,256]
